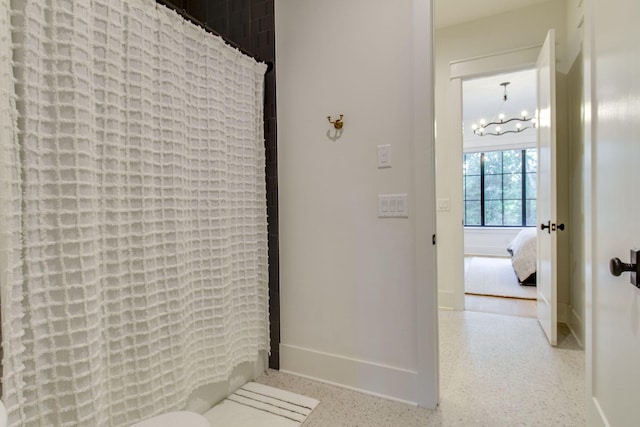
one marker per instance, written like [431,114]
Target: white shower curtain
[134,254]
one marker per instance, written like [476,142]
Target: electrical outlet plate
[444,205]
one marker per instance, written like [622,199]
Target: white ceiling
[482,99]
[452,12]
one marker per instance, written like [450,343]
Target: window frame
[524,199]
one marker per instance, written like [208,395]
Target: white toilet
[173,419]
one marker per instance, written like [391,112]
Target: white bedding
[523,253]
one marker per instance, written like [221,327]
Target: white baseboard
[576,326]
[372,378]
[446,300]
[563,312]
[595,415]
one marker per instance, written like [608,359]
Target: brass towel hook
[338,123]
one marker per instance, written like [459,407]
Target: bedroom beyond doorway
[499,168]
[492,286]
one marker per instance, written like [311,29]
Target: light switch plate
[384,156]
[392,206]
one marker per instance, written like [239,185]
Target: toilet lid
[172,419]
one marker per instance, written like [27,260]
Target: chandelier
[502,125]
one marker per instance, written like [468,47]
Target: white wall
[574,26]
[563,195]
[489,241]
[578,189]
[577,201]
[508,31]
[348,279]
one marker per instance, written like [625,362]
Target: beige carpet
[494,276]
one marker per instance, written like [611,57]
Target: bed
[523,256]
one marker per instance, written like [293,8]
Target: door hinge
[433,239]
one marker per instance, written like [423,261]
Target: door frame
[594,413]
[427,346]
[486,65]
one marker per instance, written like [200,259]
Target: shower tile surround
[251,25]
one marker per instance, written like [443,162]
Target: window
[500,188]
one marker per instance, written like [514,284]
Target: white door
[613,353]
[546,198]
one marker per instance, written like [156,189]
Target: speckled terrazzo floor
[495,370]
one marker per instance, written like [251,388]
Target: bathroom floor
[495,370]
[499,305]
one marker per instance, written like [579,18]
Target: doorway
[499,165]
[477,40]
[449,175]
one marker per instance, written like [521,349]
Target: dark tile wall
[251,25]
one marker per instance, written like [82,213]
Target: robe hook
[338,123]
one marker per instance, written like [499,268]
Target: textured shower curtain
[133,219]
